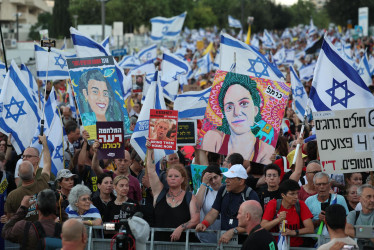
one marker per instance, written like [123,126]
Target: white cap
[140,228]
[236,171]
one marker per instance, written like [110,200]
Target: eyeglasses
[86,199]
[28,156]
[313,172]
[272,175]
[322,184]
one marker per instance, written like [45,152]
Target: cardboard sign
[345,140]
[163,125]
[187,133]
[110,136]
[137,83]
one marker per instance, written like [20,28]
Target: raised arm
[9,148]
[95,161]
[83,153]
[156,184]
[46,156]
[299,164]
[200,195]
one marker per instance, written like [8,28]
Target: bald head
[26,171]
[72,230]
[253,208]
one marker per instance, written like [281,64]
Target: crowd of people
[251,198]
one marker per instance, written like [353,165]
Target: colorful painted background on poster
[98,93]
[243,116]
[196,172]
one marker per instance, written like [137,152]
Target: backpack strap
[25,235]
[188,197]
[357,215]
[298,211]
[224,192]
[279,203]
[248,192]
[161,195]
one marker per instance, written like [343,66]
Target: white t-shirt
[347,240]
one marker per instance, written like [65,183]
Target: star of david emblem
[360,71]
[258,73]
[204,98]
[332,92]
[149,55]
[177,74]
[60,61]
[36,138]
[164,30]
[132,60]
[299,92]
[10,110]
[58,155]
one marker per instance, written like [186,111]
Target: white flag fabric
[307,71]
[54,62]
[192,104]
[299,95]
[31,83]
[18,109]
[234,23]
[72,106]
[336,84]
[280,56]
[249,61]
[204,65]
[364,70]
[148,53]
[216,61]
[163,27]
[129,62]
[268,40]
[290,57]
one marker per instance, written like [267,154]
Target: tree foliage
[44,22]
[61,20]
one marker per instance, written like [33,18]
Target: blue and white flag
[290,57]
[148,69]
[72,106]
[234,23]
[63,47]
[268,41]
[204,65]
[312,29]
[181,52]
[153,100]
[53,62]
[280,56]
[18,109]
[148,53]
[249,61]
[307,71]
[192,104]
[282,242]
[336,84]
[2,69]
[129,62]
[364,70]
[30,81]
[216,61]
[173,68]
[105,43]
[299,95]
[163,28]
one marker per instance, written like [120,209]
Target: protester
[309,189]
[352,198]
[249,217]
[74,235]
[65,180]
[270,190]
[72,142]
[105,194]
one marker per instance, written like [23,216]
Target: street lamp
[75,21]
[17,15]
[102,17]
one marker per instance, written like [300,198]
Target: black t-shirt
[287,176]
[87,176]
[266,196]
[115,213]
[261,239]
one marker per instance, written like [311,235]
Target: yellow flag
[208,49]
[248,40]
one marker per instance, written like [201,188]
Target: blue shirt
[93,212]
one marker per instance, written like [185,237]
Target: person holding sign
[98,103]
[239,102]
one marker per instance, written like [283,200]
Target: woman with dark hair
[97,102]
[211,182]
[240,103]
[105,194]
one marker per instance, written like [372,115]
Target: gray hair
[75,193]
[47,202]
[26,171]
[362,187]
[314,161]
[319,176]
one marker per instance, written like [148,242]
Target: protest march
[202,137]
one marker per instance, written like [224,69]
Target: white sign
[363,19]
[345,140]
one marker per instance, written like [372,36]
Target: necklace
[170,195]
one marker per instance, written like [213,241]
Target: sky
[286,2]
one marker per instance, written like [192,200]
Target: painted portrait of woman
[96,101]
[239,102]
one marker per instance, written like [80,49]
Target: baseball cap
[236,171]
[64,173]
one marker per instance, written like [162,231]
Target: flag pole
[301,132]
[2,43]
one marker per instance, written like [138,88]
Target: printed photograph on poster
[137,83]
[243,115]
[110,136]
[163,125]
[98,94]
[187,133]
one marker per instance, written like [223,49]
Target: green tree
[61,20]
[88,11]
[201,16]
[44,22]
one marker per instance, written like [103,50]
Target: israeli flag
[53,62]
[153,100]
[255,42]
[280,56]
[364,70]
[2,69]
[18,109]
[307,71]
[105,43]
[216,61]
[181,52]
[299,95]
[63,47]
[312,29]
[234,23]
[336,84]
[282,243]
[30,81]
[163,28]
[173,68]
[147,68]
[148,53]
[86,47]
[129,62]
[290,56]
[192,104]
[268,41]
[249,61]
[54,131]
[72,101]
[204,65]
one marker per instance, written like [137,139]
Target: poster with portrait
[99,92]
[163,125]
[137,83]
[110,136]
[243,115]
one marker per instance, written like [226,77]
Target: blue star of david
[58,155]
[164,30]
[347,94]
[149,55]
[299,91]
[360,71]
[177,74]
[253,70]
[58,61]
[204,98]
[36,138]
[132,60]
[20,110]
